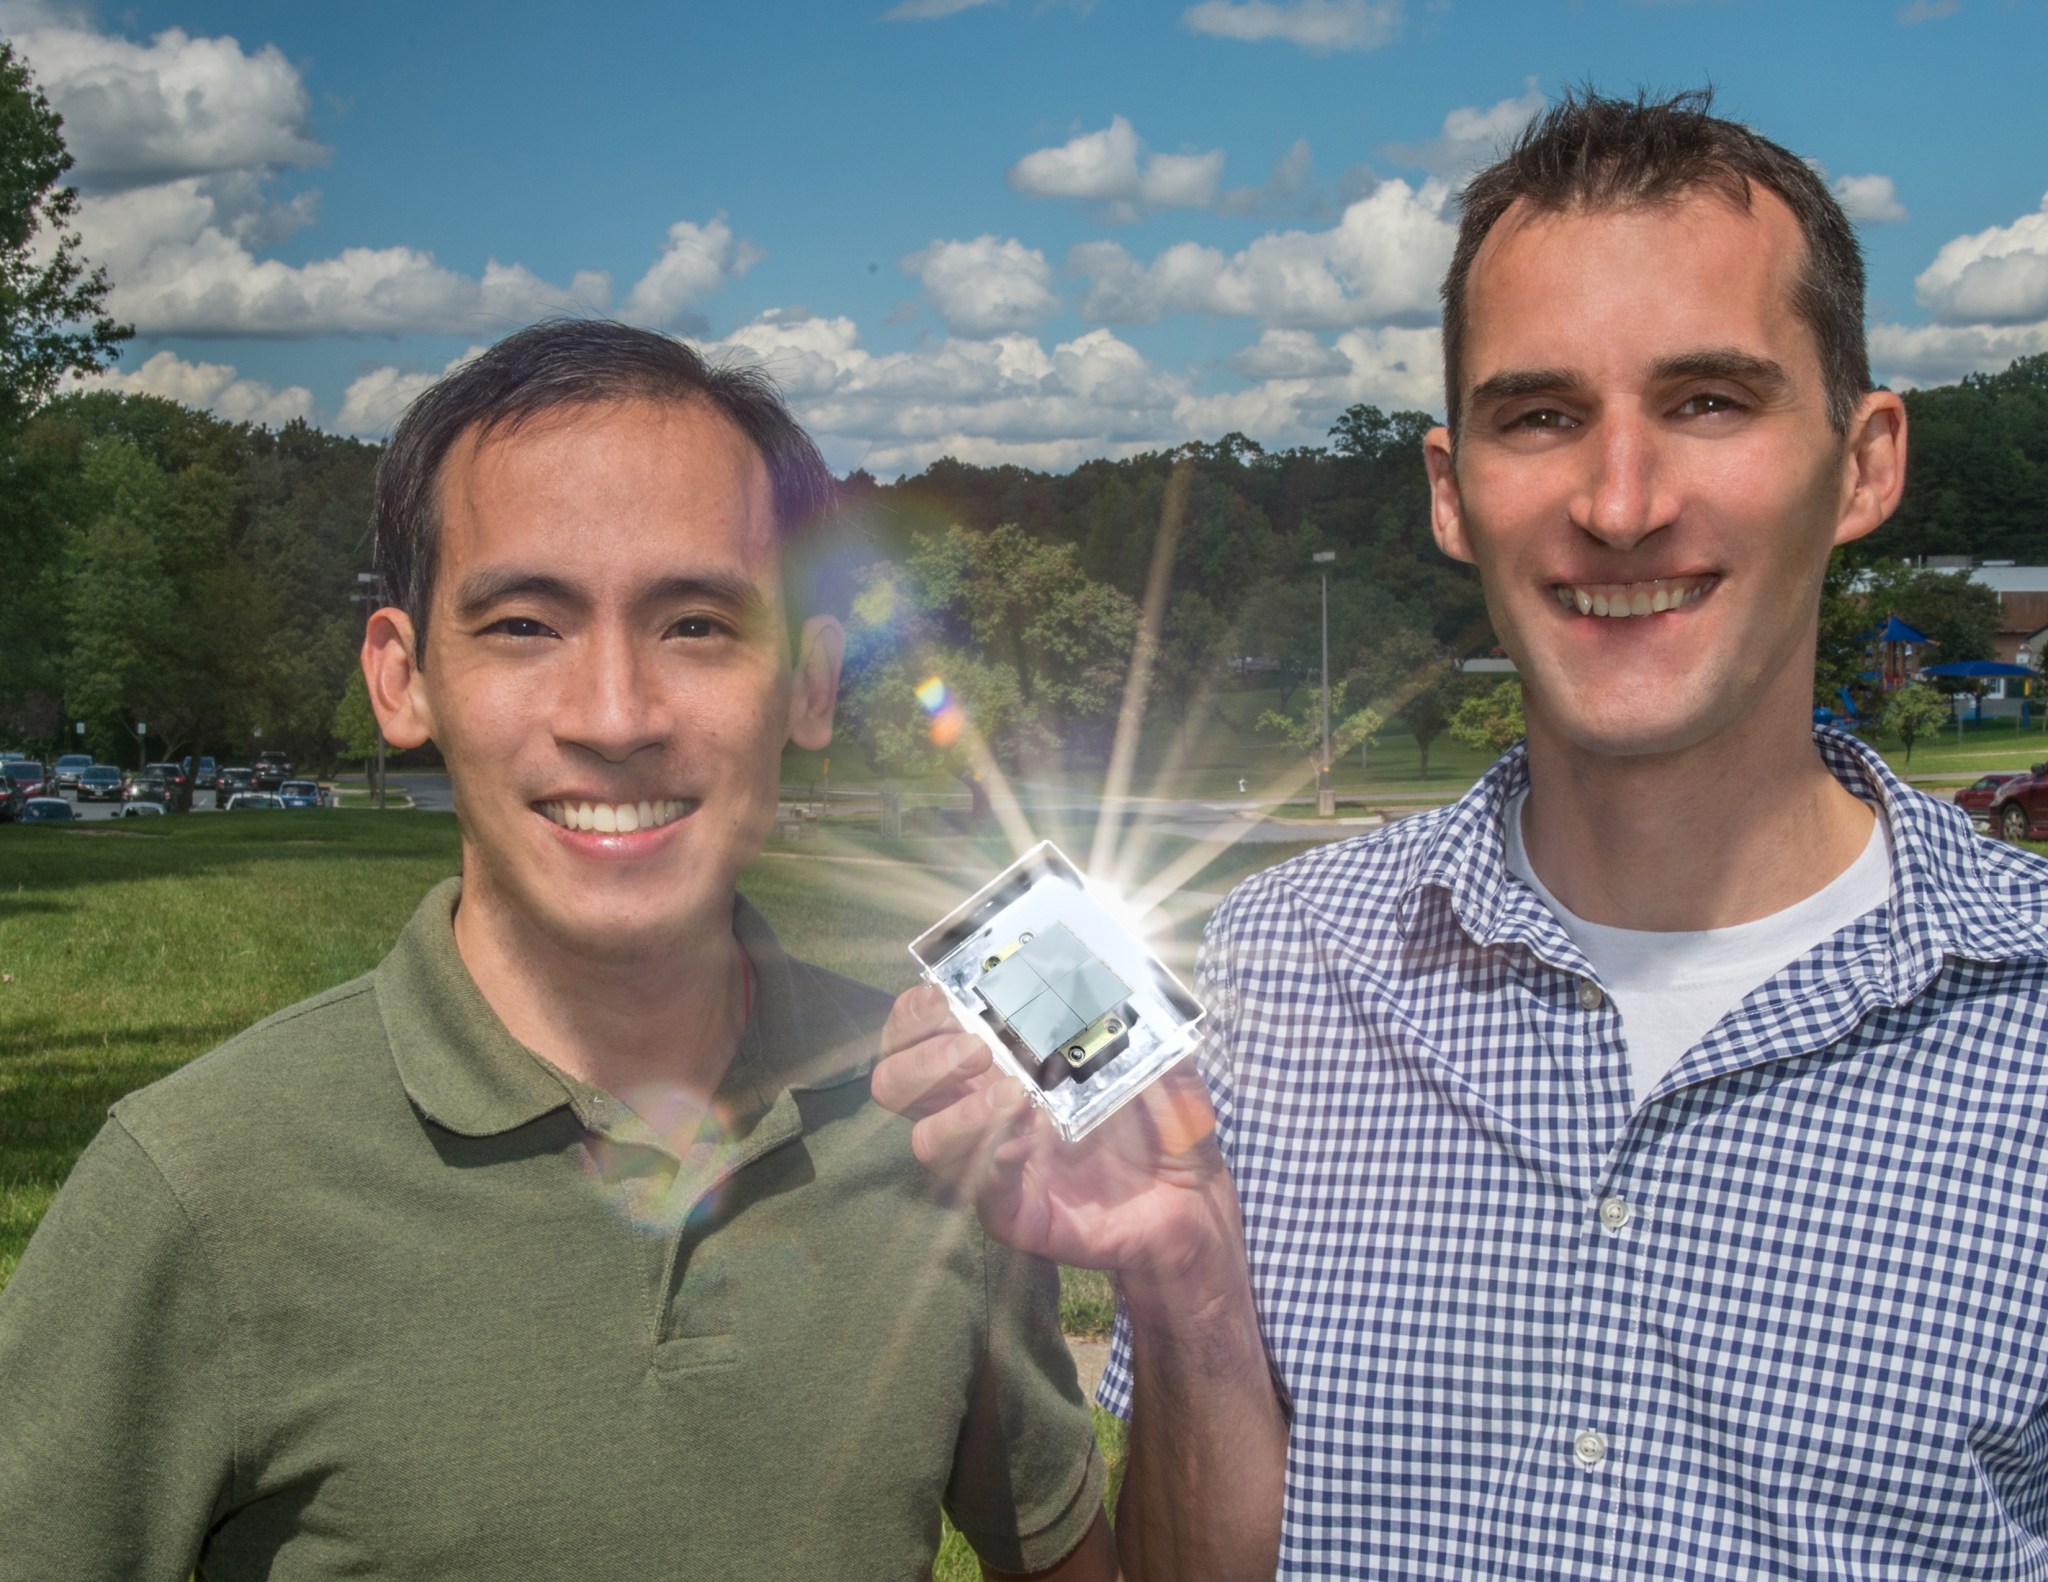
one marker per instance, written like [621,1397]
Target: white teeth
[1634,599]
[607,818]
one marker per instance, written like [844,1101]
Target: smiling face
[608,674]
[1646,476]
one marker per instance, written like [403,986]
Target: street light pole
[1326,793]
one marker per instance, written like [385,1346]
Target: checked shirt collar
[1941,907]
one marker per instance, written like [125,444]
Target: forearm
[1208,1449]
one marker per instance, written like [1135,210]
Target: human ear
[1874,465]
[1446,505]
[397,690]
[814,682]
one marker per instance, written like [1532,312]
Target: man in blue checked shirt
[1639,1168]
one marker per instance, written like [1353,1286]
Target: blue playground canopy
[1976,669]
[1895,630]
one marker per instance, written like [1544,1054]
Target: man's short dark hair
[1590,153]
[565,363]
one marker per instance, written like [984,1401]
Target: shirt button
[1613,1212]
[1590,997]
[1589,1447]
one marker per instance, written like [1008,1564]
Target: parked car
[272,770]
[100,783]
[47,810]
[69,768]
[147,786]
[30,777]
[178,780]
[301,793]
[254,799]
[2019,808]
[143,810]
[229,781]
[205,775]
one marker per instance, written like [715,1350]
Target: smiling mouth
[1623,599]
[615,818]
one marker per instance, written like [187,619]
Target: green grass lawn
[126,952]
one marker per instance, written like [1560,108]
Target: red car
[1975,798]
[2019,808]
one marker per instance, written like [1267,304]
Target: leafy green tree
[355,722]
[1491,720]
[1913,711]
[1412,677]
[52,315]
[1302,728]
[1032,654]
[1191,648]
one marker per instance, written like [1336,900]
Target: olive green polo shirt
[374,1290]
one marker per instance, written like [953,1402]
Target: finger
[959,1142]
[931,1076]
[918,1014]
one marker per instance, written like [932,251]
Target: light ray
[1130,718]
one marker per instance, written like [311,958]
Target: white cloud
[1869,200]
[1381,261]
[1996,276]
[985,287]
[1919,11]
[1904,356]
[180,268]
[1009,398]
[696,262]
[1318,26]
[1288,354]
[1398,369]
[375,401]
[1288,190]
[1471,137]
[1112,168]
[929,10]
[176,106]
[212,386]
[1005,398]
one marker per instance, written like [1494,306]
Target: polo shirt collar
[465,1072]
[1944,901]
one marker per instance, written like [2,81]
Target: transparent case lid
[1066,998]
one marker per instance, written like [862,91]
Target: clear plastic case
[1066,998]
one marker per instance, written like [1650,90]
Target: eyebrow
[1513,382]
[1761,373]
[1765,376]
[484,590]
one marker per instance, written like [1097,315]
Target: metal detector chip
[1068,1000]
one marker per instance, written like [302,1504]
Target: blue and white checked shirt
[1787,1319]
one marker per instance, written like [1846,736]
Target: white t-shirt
[1671,988]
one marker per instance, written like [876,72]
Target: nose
[611,702]
[1625,496]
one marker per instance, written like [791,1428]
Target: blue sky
[1029,230]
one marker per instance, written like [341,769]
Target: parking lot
[202,802]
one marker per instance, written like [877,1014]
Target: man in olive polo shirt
[569,1240]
